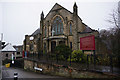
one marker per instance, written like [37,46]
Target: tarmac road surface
[9,73]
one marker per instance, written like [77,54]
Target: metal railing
[108,64]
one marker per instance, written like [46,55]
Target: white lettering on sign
[37,68]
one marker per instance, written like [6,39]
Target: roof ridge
[60,6]
[8,47]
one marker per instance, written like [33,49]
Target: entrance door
[53,45]
[61,42]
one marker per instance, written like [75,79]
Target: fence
[99,62]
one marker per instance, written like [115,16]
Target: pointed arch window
[45,31]
[57,26]
[70,25]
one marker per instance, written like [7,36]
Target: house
[7,52]
[19,50]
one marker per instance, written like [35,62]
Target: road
[9,73]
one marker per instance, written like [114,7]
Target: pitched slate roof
[87,29]
[36,32]
[8,48]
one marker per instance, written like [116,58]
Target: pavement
[107,69]
[8,74]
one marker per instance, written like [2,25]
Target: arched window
[70,25]
[45,31]
[31,47]
[57,26]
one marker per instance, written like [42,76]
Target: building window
[45,47]
[7,55]
[18,53]
[16,49]
[31,47]
[57,26]
[45,31]
[70,28]
[71,45]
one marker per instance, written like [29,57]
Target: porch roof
[55,37]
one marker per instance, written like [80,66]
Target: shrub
[62,52]
[78,56]
[6,61]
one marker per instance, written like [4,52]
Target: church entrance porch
[56,43]
[61,42]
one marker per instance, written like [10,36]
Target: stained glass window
[57,26]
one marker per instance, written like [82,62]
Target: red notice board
[87,43]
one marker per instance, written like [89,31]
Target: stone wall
[9,55]
[64,71]
[52,69]
[28,65]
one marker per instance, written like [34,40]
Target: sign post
[94,59]
[12,59]
[0,59]
[88,43]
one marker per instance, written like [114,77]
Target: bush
[105,60]
[78,56]
[62,52]
[6,61]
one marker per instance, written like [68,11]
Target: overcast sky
[21,17]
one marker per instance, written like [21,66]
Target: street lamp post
[0,59]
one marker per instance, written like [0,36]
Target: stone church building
[59,26]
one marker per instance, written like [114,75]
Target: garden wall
[60,70]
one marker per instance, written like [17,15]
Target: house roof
[8,48]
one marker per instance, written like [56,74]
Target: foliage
[62,52]
[78,56]
[111,39]
[44,52]
[6,61]
[52,56]
[103,60]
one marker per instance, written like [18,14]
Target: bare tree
[115,17]
[111,37]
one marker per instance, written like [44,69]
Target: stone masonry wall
[60,70]
[52,69]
